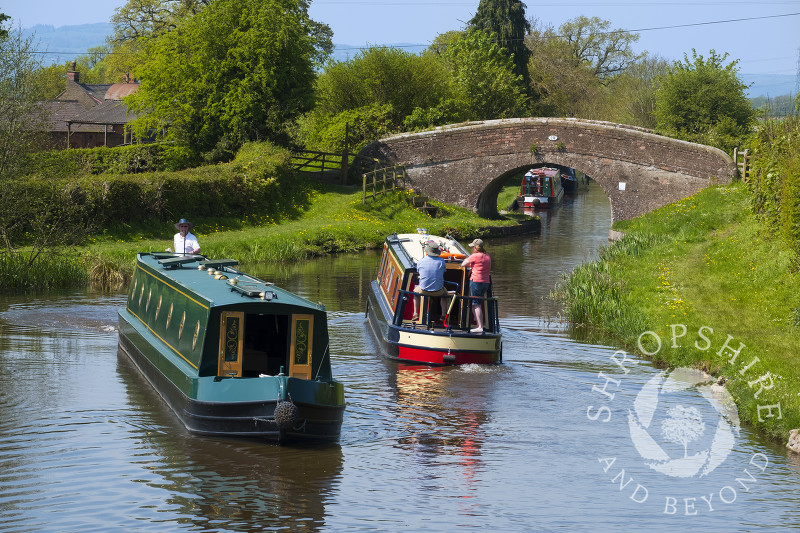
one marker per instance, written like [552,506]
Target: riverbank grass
[335,221]
[714,289]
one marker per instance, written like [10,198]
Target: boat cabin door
[231,344]
[300,350]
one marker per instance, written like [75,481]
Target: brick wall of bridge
[468,164]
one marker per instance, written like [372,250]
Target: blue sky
[666,28]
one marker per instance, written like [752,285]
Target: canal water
[562,436]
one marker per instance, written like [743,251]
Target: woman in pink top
[481,265]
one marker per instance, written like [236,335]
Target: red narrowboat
[439,336]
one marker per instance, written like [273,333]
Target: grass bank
[715,287]
[334,221]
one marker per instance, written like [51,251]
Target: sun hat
[476,242]
[183,221]
[432,249]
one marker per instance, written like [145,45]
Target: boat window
[158,307]
[169,315]
[149,296]
[196,334]
[393,289]
[180,328]
[141,293]
[383,262]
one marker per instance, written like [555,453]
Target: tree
[382,76]
[703,100]
[571,67]
[485,85]
[150,18]
[21,115]
[238,70]
[591,43]
[506,19]
[3,31]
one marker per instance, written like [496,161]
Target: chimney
[73,75]
[127,77]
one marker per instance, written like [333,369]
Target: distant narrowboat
[541,188]
[232,355]
[438,336]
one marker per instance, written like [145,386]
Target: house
[90,115]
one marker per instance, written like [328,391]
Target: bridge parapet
[467,164]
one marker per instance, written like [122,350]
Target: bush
[260,180]
[131,159]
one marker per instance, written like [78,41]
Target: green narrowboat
[232,355]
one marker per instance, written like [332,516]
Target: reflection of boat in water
[232,355]
[446,339]
[541,189]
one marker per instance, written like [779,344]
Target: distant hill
[67,42]
[770,84]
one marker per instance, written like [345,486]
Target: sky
[763,35]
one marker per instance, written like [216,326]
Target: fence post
[345,154]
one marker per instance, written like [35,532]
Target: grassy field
[703,268]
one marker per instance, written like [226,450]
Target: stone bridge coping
[600,125]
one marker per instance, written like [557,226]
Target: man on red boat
[431,269]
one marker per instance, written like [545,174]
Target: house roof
[118,91]
[60,111]
[109,112]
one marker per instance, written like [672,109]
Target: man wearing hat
[431,270]
[185,242]
[479,279]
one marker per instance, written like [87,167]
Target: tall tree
[239,70]
[149,18]
[485,84]
[704,101]
[21,115]
[606,52]
[506,19]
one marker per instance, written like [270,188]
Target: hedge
[259,181]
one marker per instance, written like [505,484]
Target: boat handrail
[464,311]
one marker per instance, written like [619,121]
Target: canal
[562,436]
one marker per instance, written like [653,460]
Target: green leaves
[702,100]
[236,71]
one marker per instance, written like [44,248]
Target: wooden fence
[332,167]
[326,166]
[381,180]
[742,160]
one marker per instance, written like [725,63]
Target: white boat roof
[413,244]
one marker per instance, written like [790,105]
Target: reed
[23,272]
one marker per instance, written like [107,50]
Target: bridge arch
[467,164]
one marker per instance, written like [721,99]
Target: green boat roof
[216,281]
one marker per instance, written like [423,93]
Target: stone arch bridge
[467,164]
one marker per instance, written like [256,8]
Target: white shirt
[186,245]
